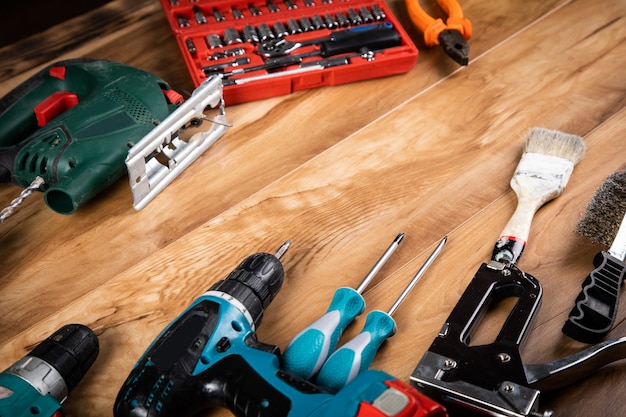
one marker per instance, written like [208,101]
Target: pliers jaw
[454,45]
[452,34]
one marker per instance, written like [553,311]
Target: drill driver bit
[10,209]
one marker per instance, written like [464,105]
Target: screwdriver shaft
[370,275]
[357,355]
[417,276]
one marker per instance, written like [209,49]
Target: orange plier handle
[431,27]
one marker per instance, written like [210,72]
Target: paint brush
[604,222]
[543,172]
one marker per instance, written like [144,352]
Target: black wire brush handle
[595,307]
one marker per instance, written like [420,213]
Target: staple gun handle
[483,365]
[492,378]
[564,371]
[493,283]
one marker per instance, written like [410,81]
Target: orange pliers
[452,35]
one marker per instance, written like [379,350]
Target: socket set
[267,48]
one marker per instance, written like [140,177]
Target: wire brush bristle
[605,211]
[555,143]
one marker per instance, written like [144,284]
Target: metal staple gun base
[491,379]
[160,156]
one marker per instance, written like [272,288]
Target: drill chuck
[58,363]
[41,381]
[254,283]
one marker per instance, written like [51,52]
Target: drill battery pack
[267,48]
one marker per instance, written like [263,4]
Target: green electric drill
[72,124]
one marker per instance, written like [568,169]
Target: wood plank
[253,154]
[439,163]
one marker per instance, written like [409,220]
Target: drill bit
[7,211]
[283,248]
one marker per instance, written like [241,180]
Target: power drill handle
[200,362]
[18,114]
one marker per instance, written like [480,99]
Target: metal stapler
[492,379]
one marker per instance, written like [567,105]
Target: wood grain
[340,171]
[257,138]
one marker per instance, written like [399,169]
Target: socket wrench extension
[373,37]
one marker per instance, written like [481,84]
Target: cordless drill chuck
[255,282]
[40,382]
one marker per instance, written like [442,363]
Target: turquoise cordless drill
[39,383]
[210,357]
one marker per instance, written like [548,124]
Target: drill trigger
[252,341]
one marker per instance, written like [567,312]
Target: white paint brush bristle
[555,143]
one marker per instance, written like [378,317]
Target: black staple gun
[492,379]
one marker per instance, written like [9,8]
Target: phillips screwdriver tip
[379,264]
[283,248]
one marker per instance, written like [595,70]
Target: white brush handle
[538,179]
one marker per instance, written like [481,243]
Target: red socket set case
[267,48]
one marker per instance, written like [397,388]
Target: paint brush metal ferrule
[553,172]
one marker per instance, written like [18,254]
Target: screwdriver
[307,352]
[357,355]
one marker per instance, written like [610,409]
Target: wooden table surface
[340,171]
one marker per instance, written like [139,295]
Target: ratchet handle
[373,37]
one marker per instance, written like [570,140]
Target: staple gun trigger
[163,154]
[492,379]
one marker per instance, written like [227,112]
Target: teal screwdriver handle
[357,355]
[308,351]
